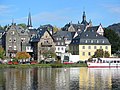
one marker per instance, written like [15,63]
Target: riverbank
[42,65]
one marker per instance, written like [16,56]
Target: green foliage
[23,25]
[100,53]
[48,53]
[55,29]
[1,28]
[106,54]
[2,53]
[114,39]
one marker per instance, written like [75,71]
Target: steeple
[29,21]
[90,23]
[84,16]
[84,19]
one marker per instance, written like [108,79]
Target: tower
[84,22]
[29,21]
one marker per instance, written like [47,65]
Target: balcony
[46,44]
[12,51]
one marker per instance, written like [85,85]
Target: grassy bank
[42,65]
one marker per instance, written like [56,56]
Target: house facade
[86,43]
[16,40]
[42,43]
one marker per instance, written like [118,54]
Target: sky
[59,12]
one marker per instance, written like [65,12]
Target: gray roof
[37,36]
[76,27]
[19,29]
[64,34]
[2,31]
[90,37]
[93,28]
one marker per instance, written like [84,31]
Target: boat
[104,63]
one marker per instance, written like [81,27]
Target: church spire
[84,16]
[84,22]
[29,21]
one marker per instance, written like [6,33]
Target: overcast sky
[59,12]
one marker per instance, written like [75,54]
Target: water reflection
[59,79]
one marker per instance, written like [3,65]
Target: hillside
[115,27]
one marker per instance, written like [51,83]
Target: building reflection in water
[59,79]
[98,79]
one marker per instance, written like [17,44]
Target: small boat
[104,63]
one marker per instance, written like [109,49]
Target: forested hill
[115,27]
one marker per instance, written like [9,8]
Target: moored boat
[104,63]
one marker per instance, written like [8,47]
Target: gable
[100,30]
[71,28]
[46,39]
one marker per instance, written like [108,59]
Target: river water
[59,79]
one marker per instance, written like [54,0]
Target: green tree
[23,25]
[2,53]
[106,54]
[1,28]
[99,53]
[55,29]
[114,40]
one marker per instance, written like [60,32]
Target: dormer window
[58,43]
[12,32]
[97,41]
[87,35]
[103,41]
[96,35]
[85,41]
[91,41]
[59,38]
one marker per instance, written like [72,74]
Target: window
[83,47]
[89,47]
[62,43]
[83,53]
[62,48]
[10,47]
[106,47]
[59,38]
[97,41]
[91,41]
[100,47]
[14,47]
[12,32]
[58,49]
[58,43]
[103,41]
[85,41]
[14,39]
[89,53]
[10,40]
[95,47]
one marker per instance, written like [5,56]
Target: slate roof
[2,31]
[94,28]
[76,27]
[64,34]
[90,38]
[19,29]
[37,36]
[40,32]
